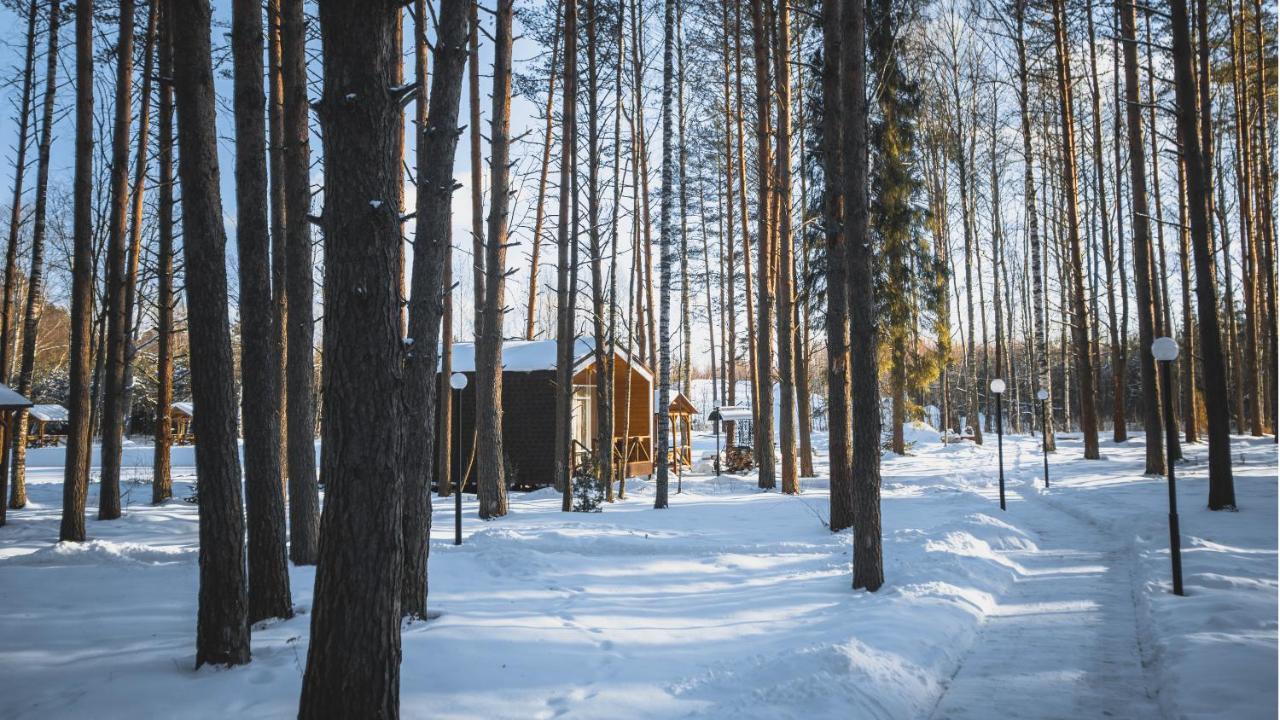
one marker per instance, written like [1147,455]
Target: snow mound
[105,552]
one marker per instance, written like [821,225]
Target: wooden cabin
[681,411]
[529,409]
[181,416]
[41,419]
[10,401]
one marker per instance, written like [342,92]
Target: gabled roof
[185,408]
[536,356]
[50,413]
[678,402]
[11,400]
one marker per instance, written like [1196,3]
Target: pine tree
[490,458]
[353,662]
[222,629]
[75,483]
[35,278]
[437,145]
[304,493]
[260,402]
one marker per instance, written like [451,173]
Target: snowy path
[733,603]
[1064,641]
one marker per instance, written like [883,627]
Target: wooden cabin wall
[528,427]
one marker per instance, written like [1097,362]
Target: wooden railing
[636,448]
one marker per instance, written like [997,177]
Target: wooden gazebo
[10,401]
[681,411]
[181,415]
[39,418]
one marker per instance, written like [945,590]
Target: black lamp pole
[1044,431]
[1166,351]
[457,487]
[715,422]
[458,381]
[997,387]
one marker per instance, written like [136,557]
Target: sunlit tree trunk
[222,627]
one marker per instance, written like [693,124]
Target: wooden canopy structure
[39,419]
[529,409]
[681,411]
[181,417]
[10,401]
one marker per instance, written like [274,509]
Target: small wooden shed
[181,417]
[10,401]
[529,408]
[40,419]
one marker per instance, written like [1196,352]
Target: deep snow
[732,603]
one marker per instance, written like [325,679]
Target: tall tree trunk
[222,628]
[565,330]
[259,400]
[1141,243]
[437,144]
[353,663]
[839,430]
[75,482]
[1221,487]
[1041,350]
[1119,432]
[490,458]
[739,105]
[786,258]
[729,269]
[35,279]
[868,562]
[134,251]
[304,493]
[686,321]
[279,272]
[161,475]
[1080,324]
[763,409]
[668,231]
[804,397]
[477,174]
[1248,242]
[1265,205]
[15,211]
[603,343]
[117,323]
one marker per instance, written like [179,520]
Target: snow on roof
[735,412]
[676,400]
[9,399]
[185,408]
[50,413]
[532,355]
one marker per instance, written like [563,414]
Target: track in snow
[1064,641]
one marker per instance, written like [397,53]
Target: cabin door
[584,424]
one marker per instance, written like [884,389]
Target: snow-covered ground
[732,603]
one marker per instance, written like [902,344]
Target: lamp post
[997,387]
[457,381]
[714,417]
[1043,396]
[1165,350]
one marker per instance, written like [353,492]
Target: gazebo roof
[11,400]
[184,408]
[50,413]
[679,405]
